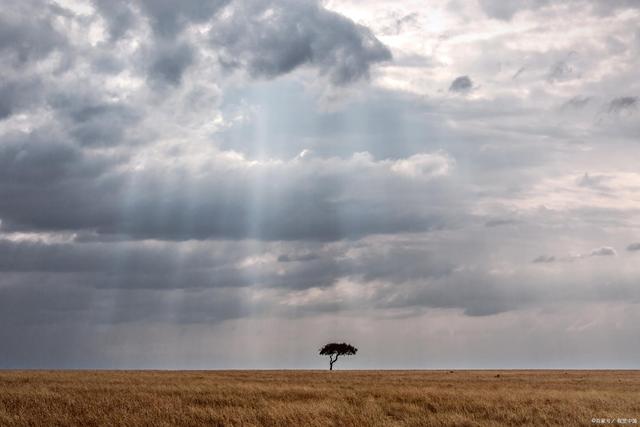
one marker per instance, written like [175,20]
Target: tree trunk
[332,361]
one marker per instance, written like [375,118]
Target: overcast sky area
[234,183]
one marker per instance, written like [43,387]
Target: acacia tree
[333,350]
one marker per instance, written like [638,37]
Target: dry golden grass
[317,398]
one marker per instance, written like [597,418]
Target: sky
[230,184]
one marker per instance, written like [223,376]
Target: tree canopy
[334,350]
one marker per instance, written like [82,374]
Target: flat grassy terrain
[317,398]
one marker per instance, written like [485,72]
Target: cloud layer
[174,175]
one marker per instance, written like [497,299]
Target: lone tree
[334,349]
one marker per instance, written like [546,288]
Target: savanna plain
[318,398]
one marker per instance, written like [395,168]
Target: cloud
[562,70]
[169,60]
[269,39]
[423,165]
[297,258]
[518,73]
[577,102]
[28,33]
[604,7]
[633,247]
[177,169]
[507,10]
[593,181]
[208,282]
[306,192]
[266,39]
[94,121]
[397,23]
[119,16]
[622,104]
[544,259]
[43,159]
[498,222]
[17,95]
[168,18]
[604,251]
[597,252]
[461,84]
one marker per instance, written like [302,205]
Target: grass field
[317,398]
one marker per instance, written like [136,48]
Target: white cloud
[423,165]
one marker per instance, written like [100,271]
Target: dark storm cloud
[291,211]
[273,38]
[125,201]
[267,39]
[603,251]
[93,121]
[118,14]
[622,104]
[168,265]
[18,94]
[119,257]
[65,302]
[476,293]
[481,293]
[164,266]
[113,283]
[27,32]
[168,18]
[45,322]
[62,187]
[461,84]
[29,160]
[47,180]
[106,62]
[52,179]
[127,270]
[169,60]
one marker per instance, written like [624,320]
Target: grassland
[315,398]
